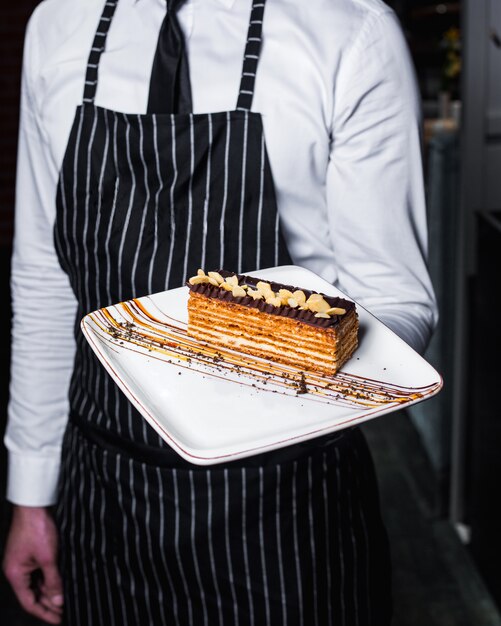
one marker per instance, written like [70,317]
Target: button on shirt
[337,93]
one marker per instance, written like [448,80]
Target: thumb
[52,587]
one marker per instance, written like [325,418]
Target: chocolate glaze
[307,317]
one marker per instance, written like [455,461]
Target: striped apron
[289,537]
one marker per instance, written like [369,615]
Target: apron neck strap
[249,69]
[251,56]
[97,49]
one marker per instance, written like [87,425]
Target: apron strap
[97,49]
[251,56]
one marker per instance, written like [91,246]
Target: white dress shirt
[337,93]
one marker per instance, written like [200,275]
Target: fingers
[30,563]
[52,588]
[52,614]
[40,609]
[30,598]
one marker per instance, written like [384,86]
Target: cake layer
[283,340]
[263,325]
[213,321]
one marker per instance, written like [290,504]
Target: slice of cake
[285,324]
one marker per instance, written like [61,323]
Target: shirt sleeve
[43,312]
[375,191]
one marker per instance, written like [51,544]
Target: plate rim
[189,452]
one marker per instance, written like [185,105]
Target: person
[150,138]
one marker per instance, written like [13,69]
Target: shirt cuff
[32,480]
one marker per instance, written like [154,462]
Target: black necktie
[170,90]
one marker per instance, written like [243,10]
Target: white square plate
[213,405]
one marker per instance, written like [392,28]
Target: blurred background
[439,465]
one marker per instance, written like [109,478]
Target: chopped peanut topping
[284,295]
[216,276]
[316,303]
[264,288]
[274,300]
[238,292]
[300,297]
[254,293]
[197,280]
